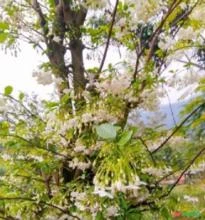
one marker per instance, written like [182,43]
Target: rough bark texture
[74,20]
[76,47]
[66,22]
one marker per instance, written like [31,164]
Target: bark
[76,48]
[66,21]
[74,20]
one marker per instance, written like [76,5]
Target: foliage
[78,156]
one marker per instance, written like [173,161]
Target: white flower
[142,10]
[183,5]
[74,194]
[6,157]
[38,158]
[66,91]
[87,117]
[122,22]
[95,4]
[198,13]
[80,196]
[102,193]
[112,211]
[64,142]
[63,217]
[83,165]
[79,148]
[75,163]
[119,34]
[156,171]
[102,115]
[43,78]
[58,81]
[95,208]
[187,34]
[118,186]
[80,206]
[191,199]
[57,39]
[3,105]
[115,86]
[166,43]
[3,3]
[71,123]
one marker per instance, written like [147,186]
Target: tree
[78,156]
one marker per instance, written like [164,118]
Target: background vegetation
[82,155]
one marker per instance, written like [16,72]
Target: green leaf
[50,105]
[165,213]
[191,214]
[106,131]
[21,96]
[134,216]
[99,216]
[64,99]
[8,90]
[3,37]
[4,127]
[122,202]
[4,25]
[126,136]
[2,171]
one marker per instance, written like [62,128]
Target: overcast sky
[17,71]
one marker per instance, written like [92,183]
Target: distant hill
[168,115]
[172,113]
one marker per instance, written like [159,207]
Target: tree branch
[29,112]
[191,64]
[184,171]
[109,37]
[170,107]
[43,23]
[34,145]
[159,29]
[148,202]
[40,202]
[147,148]
[177,128]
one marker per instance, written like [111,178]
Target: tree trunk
[76,48]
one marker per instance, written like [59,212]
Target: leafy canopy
[83,155]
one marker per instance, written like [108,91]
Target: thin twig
[184,171]
[22,105]
[159,29]
[41,202]
[34,145]
[191,64]
[109,37]
[170,107]
[42,18]
[147,148]
[167,175]
[177,128]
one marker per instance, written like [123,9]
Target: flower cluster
[3,105]
[95,4]
[76,163]
[43,78]
[158,172]
[118,186]
[115,85]
[191,199]
[187,33]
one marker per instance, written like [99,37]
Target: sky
[17,71]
